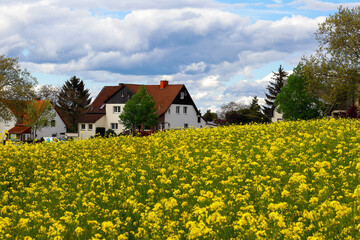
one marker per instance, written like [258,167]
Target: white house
[6,125]
[18,131]
[174,105]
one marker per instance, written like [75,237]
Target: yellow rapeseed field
[289,180]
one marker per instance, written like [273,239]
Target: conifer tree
[73,101]
[274,88]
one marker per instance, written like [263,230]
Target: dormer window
[182,95]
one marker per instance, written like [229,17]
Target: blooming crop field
[289,180]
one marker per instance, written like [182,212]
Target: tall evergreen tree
[274,88]
[74,100]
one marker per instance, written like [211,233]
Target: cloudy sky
[222,50]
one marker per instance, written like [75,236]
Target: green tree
[254,106]
[333,72]
[139,110]
[210,116]
[38,115]
[73,101]
[295,101]
[274,88]
[16,85]
[229,107]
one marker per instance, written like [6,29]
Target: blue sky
[221,50]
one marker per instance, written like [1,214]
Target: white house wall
[276,116]
[86,133]
[6,125]
[55,131]
[112,117]
[178,120]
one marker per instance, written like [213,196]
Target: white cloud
[321,5]
[203,44]
[210,82]
[199,96]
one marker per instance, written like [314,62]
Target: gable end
[120,96]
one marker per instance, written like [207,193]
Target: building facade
[173,104]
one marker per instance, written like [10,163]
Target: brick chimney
[163,84]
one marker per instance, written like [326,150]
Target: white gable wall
[7,125]
[50,131]
[178,120]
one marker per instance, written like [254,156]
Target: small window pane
[117,109]
[90,127]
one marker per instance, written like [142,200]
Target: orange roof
[104,94]
[162,97]
[20,130]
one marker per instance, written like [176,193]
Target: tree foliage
[38,114]
[139,110]
[16,84]
[295,101]
[73,101]
[250,114]
[254,106]
[333,72]
[48,92]
[274,88]
[210,116]
[228,107]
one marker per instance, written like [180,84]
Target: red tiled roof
[162,97]
[91,117]
[104,94]
[20,130]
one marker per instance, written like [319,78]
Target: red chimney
[163,84]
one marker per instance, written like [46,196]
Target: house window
[82,126]
[177,110]
[117,109]
[122,94]
[53,123]
[114,126]
[45,123]
[7,123]
[185,110]
[128,95]
[53,135]
[199,119]
[169,111]
[90,127]
[182,95]
[186,125]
